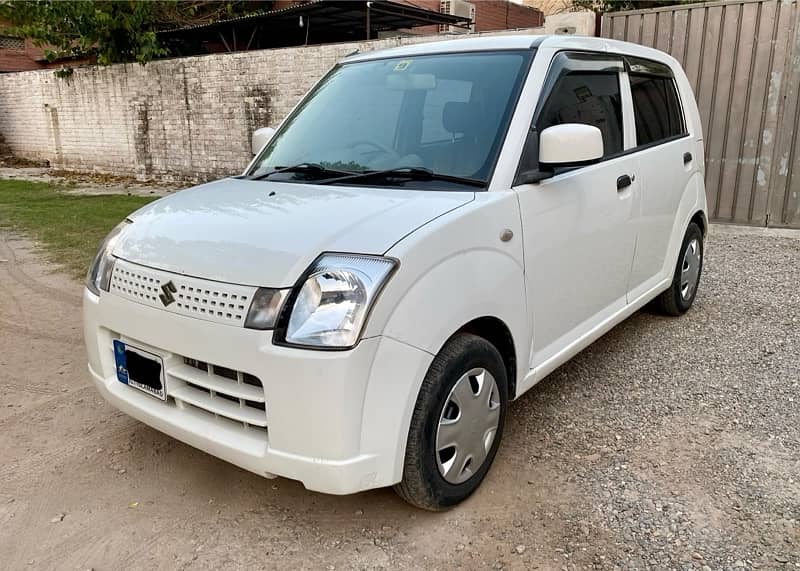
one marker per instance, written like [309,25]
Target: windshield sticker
[402,65]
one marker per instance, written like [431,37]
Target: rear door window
[656,107]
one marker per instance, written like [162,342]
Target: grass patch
[69,226]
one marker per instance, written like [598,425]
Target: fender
[439,288]
[466,286]
[692,201]
[453,270]
[450,295]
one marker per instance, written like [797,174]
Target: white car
[429,233]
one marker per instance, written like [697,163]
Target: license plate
[140,369]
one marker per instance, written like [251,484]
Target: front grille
[193,297]
[229,395]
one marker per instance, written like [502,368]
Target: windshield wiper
[413,173]
[315,169]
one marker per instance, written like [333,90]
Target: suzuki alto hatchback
[429,233]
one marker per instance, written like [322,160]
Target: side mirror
[570,144]
[261,137]
[565,145]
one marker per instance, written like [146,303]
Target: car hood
[267,233]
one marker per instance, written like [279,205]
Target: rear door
[666,163]
[579,225]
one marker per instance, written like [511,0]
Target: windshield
[444,113]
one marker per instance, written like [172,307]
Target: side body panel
[456,269]
[684,201]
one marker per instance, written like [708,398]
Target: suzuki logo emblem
[166,297]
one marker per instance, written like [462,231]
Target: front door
[578,225]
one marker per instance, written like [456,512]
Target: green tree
[113,30]
[618,5]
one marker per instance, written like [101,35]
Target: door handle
[624,182]
[687,158]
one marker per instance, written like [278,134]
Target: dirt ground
[669,444]
[90,183]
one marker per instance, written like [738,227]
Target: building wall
[489,15]
[18,58]
[503,15]
[17,54]
[549,7]
[188,118]
[572,23]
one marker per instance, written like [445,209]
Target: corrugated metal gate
[743,61]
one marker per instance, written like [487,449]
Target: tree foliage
[618,5]
[112,30]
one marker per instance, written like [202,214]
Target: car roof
[514,42]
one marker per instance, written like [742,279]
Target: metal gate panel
[718,89]
[742,58]
[751,205]
[786,170]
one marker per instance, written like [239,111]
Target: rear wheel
[457,424]
[681,293]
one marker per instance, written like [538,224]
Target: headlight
[331,306]
[99,274]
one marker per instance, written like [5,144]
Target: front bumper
[336,421]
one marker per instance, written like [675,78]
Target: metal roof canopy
[323,21]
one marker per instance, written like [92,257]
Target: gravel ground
[668,444]
[684,432]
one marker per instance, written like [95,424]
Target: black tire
[423,485]
[671,301]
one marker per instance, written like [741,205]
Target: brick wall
[19,58]
[490,15]
[4,148]
[501,15]
[549,7]
[18,54]
[188,118]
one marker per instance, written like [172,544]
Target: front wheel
[681,293]
[457,424]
